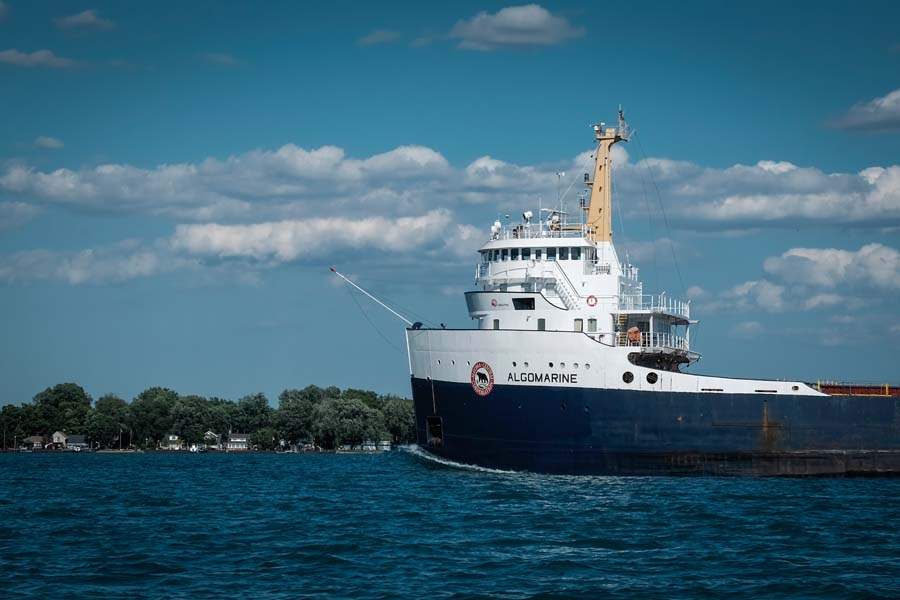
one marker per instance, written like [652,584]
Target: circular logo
[482,378]
[592,300]
[493,302]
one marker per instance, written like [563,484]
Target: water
[395,525]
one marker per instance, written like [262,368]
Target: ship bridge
[550,272]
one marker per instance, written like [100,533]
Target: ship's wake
[417,452]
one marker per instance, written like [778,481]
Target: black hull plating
[596,431]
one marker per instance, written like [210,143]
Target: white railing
[535,230]
[654,340]
[592,267]
[655,303]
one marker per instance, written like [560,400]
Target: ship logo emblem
[482,378]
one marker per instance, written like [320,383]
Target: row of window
[542,323]
[504,254]
[562,365]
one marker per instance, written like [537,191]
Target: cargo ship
[572,368]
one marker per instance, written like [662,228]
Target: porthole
[652,377]
[562,366]
[574,365]
[525,364]
[514,363]
[627,376]
[795,387]
[439,361]
[587,366]
[452,362]
[469,363]
[551,365]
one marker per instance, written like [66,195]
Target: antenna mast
[599,217]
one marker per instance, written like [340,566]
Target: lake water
[396,525]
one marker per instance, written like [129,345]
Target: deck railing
[654,340]
[655,303]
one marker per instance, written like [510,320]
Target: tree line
[328,417]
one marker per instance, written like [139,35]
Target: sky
[176,178]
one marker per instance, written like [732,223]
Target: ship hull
[597,431]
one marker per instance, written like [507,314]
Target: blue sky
[176,178]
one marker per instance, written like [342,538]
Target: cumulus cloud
[514,26]
[290,240]
[47,142]
[379,36]
[292,181]
[38,58]
[16,214]
[84,21]
[110,264]
[878,115]
[873,265]
[767,194]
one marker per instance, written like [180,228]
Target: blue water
[396,525]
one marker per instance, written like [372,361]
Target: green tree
[253,413]
[17,423]
[191,418]
[108,421]
[265,438]
[151,415]
[63,407]
[339,421]
[399,419]
[369,398]
[294,417]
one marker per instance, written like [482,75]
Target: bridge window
[523,303]
[514,254]
[563,254]
[526,253]
[537,253]
[576,253]
[592,325]
[542,324]
[551,253]
[504,254]
[495,255]
[496,323]
[579,325]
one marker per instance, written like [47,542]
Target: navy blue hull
[598,431]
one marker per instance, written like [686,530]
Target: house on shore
[212,440]
[35,442]
[172,442]
[59,439]
[237,442]
[76,442]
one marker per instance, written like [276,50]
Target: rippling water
[396,525]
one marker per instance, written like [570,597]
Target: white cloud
[85,20]
[514,26]
[16,214]
[291,181]
[220,59]
[878,115]
[312,238]
[38,58]
[767,194]
[50,143]
[111,264]
[379,36]
[873,265]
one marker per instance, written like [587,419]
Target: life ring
[592,300]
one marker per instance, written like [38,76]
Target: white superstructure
[552,296]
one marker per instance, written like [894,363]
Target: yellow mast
[599,211]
